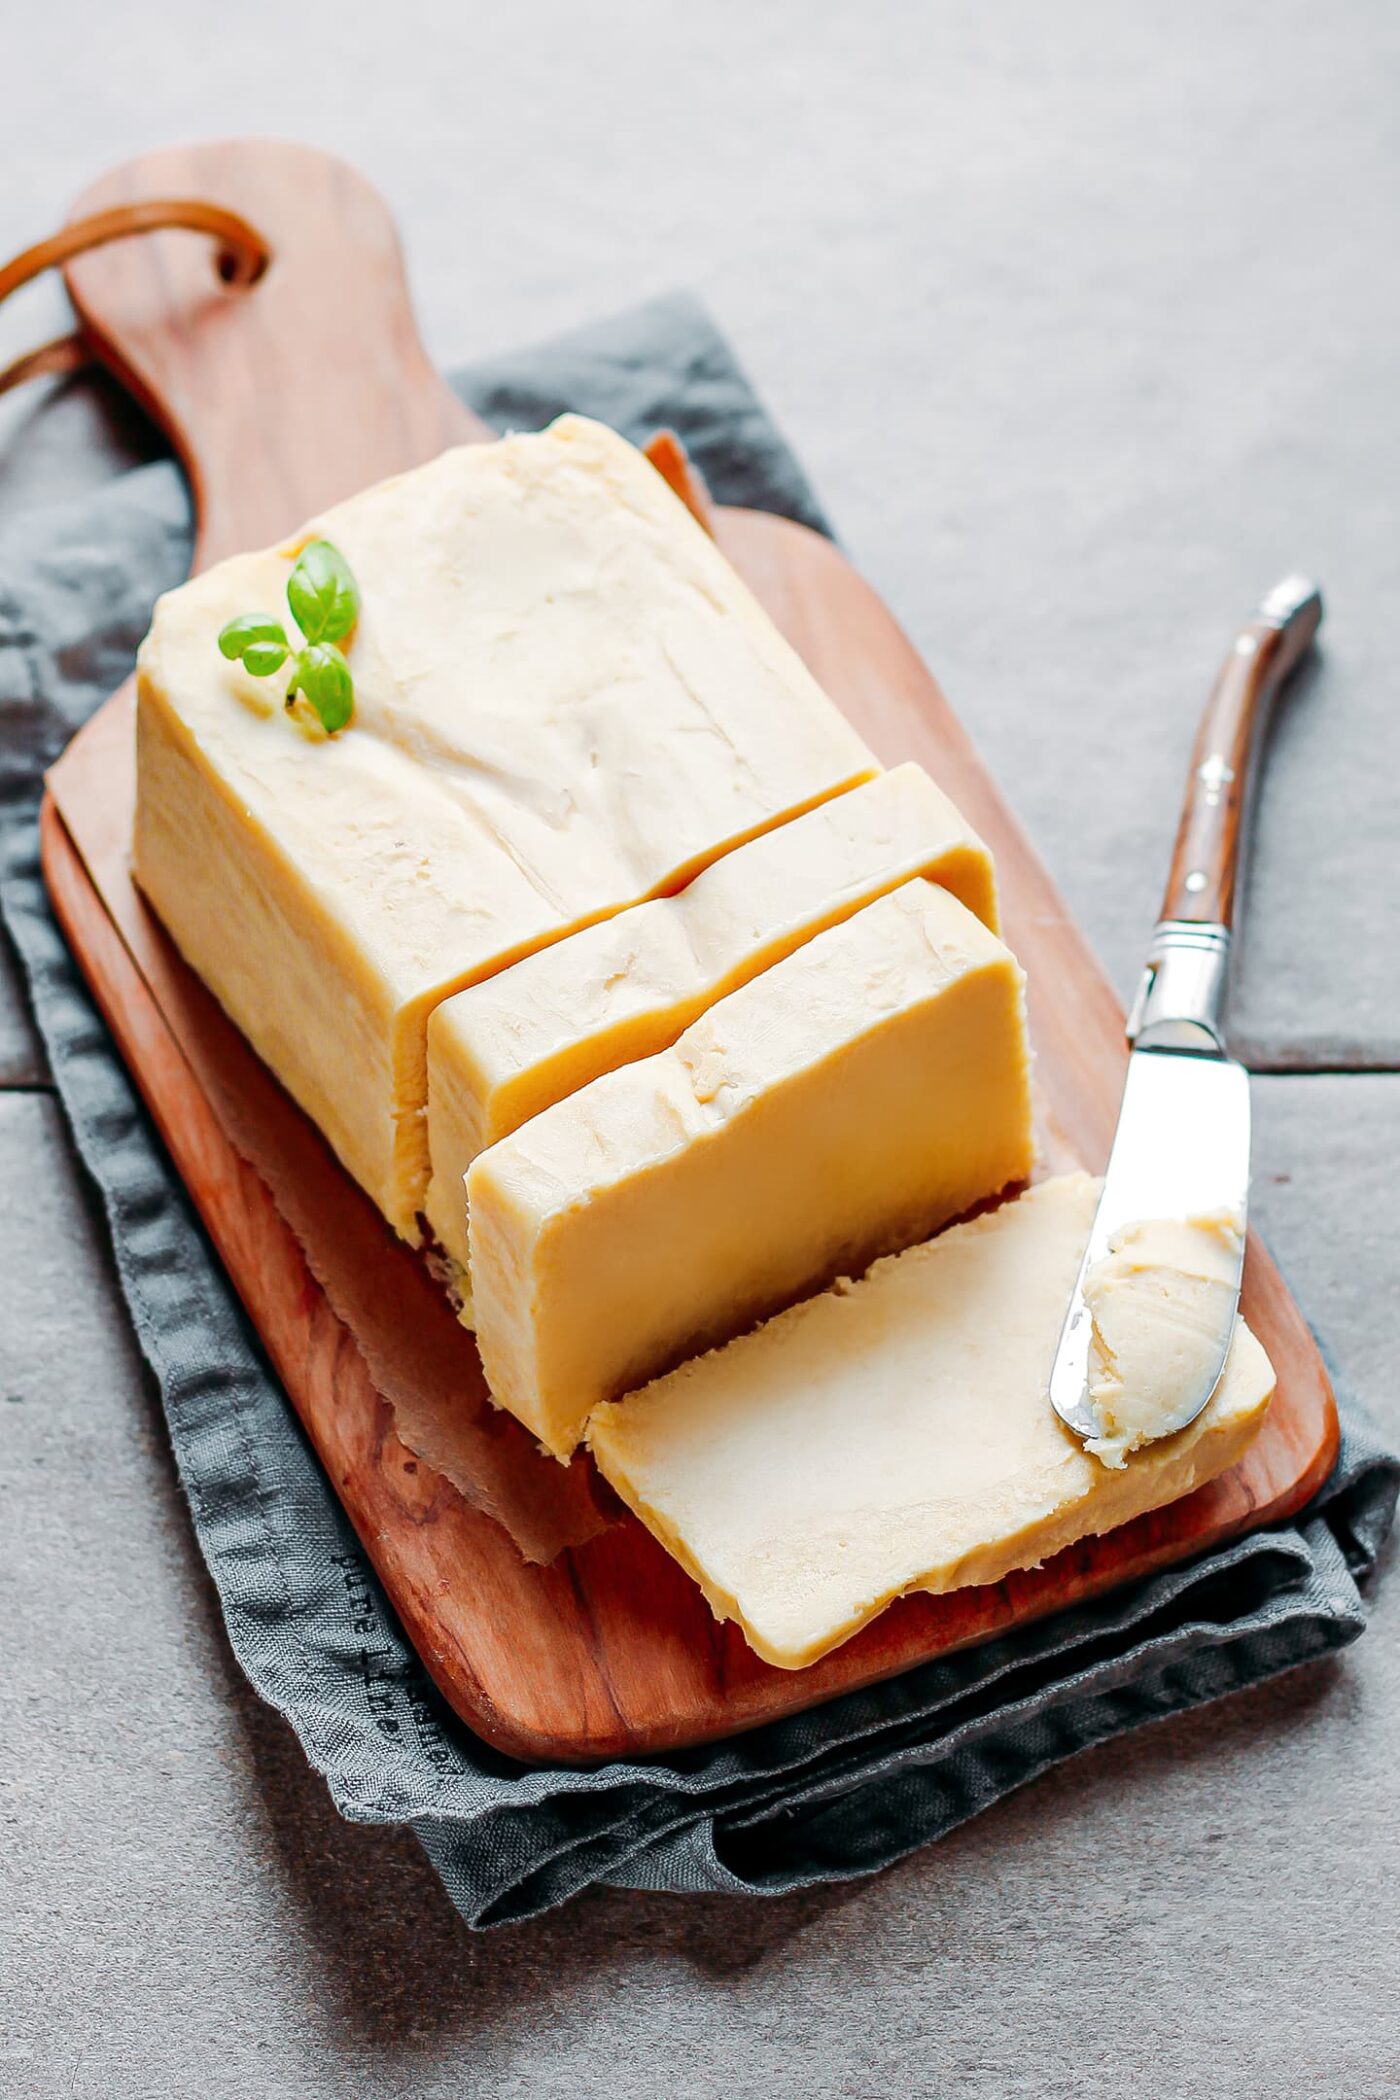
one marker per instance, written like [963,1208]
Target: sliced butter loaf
[565,701]
[847,1102]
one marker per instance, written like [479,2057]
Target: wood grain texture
[607,1648]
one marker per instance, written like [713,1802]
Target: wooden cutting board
[282,398]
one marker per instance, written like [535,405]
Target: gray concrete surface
[1084,319]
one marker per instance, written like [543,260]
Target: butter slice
[849,1101]
[565,701]
[513,1045]
[896,1434]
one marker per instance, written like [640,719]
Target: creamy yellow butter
[623,989]
[850,1100]
[896,1434]
[1159,1300]
[565,701]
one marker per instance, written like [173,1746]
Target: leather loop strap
[66,353]
[242,258]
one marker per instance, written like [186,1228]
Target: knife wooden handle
[1205,863]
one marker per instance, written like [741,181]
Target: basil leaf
[263,658]
[323,675]
[323,596]
[248,631]
[322,593]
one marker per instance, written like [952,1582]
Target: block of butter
[565,701]
[852,1099]
[626,987]
[896,1434]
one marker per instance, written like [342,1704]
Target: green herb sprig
[325,603]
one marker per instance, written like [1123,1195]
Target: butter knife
[1181,1150]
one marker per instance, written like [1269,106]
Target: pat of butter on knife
[1159,1300]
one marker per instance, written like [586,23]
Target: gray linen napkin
[827,1795]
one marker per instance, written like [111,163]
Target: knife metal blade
[1181,1150]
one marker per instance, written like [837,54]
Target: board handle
[283,385]
[1202,884]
